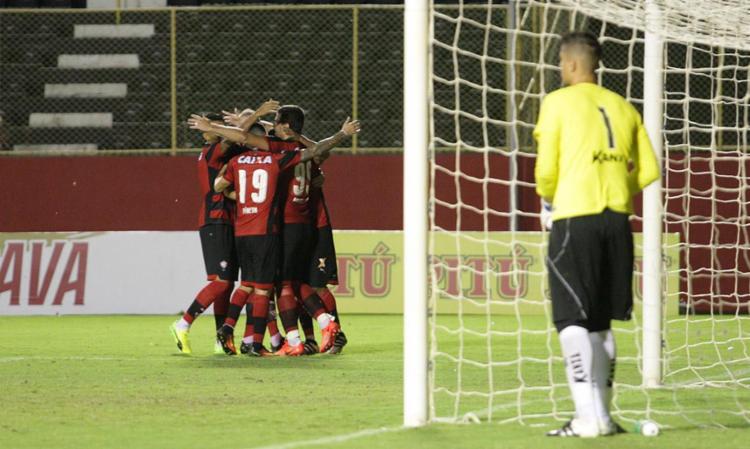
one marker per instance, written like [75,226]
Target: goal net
[493,353]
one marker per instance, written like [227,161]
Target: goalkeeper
[593,156]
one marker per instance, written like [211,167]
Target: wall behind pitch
[157,272]
[160,193]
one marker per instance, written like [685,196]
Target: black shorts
[590,265]
[219,256]
[259,258]
[323,269]
[297,243]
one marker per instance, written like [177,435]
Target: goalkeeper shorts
[590,264]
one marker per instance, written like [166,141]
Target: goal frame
[416,132]
[416,142]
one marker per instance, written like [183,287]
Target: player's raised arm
[245,119]
[308,143]
[234,118]
[228,132]
[348,129]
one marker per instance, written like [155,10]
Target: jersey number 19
[260,185]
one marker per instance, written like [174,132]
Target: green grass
[116,382]
[707,357]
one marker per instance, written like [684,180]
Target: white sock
[324,320]
[183,325]
[247,340]
[576,349]
[603,347]
[292,337]
[276,339]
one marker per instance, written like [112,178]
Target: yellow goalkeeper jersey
[593,152]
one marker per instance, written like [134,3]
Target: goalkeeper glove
[545,216]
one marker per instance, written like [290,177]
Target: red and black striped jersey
[297,194]
[255,177]
[296,184]
[276,145]
[215,207]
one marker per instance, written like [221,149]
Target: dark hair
[585,42]
[292,115]
[214,116]
[257,129]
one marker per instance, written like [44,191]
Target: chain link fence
[124,80]
[78,80]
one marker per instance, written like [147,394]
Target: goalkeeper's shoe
[245,347]
[181,338]
[610,428]
[338,344]
[576,428]
[329,334]
[311,347]
[291,351]
[226,338]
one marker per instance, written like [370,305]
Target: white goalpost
[653,87]
[416,140]
[478,340]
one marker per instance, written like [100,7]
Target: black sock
[195,309]
[219,320]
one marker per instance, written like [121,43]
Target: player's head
[214,117]
[579,57]
[289,117]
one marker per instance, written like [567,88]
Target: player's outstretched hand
[267,108]
[199,122]
[234,118]
[351,127]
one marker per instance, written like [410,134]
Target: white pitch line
[335,438]
[23,358]
[339,361]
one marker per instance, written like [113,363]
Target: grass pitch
[117,382]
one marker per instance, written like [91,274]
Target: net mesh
[494,354]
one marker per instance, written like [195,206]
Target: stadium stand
[224,59]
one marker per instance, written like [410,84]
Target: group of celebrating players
[263,216]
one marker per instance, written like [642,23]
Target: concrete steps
[104,110]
